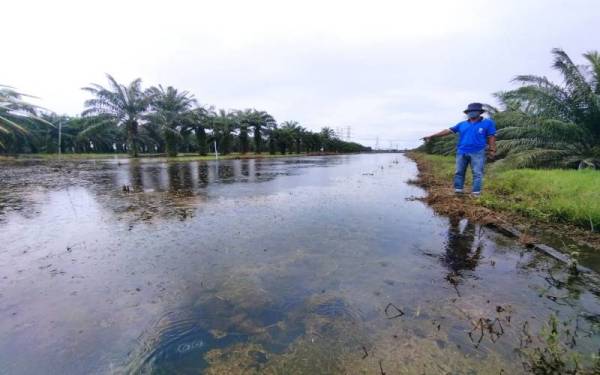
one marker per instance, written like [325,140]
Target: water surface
[299,265]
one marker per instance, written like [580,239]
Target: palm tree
[15,115]
[224,124]
[547,124]
[243,121]
[119,104]
[299,136]
[296,133]
[203,120]
[272,132]
[327,136]
[257,120]
[172,111]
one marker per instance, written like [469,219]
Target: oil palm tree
[224,123]
[172,111]
[124,106]
[258,121]
[549,124]
[271,133]
[15,115]
[296,133]
[203,120]
[243,121]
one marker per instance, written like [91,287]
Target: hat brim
[471,110]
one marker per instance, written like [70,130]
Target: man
[474,134]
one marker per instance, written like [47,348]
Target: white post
[216,153]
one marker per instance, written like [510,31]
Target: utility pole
[377,143]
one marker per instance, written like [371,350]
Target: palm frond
[593,57]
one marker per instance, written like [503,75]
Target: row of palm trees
[545,124]
[128,118]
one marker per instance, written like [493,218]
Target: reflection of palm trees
[180,179]
[460,255]
[245,167]
[135,169]
[203,174]
[176,189]
[176,182]
[225,172]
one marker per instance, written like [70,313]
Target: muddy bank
[530,232]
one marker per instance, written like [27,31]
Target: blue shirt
[472,136]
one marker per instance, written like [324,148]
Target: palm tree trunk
[132,135]
[226,143]
[244,139]
[201,138]
[257,140]
[171,144]
[272,145]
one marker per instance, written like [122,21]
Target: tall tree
[172,111]
[203,120]
[243,121]
[295,134]
[224,124]
[120,105]
[258,121]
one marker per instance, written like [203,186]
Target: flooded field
[313,265]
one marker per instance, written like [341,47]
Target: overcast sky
[396,70]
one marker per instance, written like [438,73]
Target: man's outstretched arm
[438,134]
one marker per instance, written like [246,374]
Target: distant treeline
[129,119]
[544,124]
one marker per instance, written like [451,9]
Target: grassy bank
[551,196]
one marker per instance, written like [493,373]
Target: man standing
[474,134]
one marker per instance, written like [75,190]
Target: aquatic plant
[553,357]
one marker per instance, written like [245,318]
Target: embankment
[547,204]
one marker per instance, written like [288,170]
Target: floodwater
[311,265]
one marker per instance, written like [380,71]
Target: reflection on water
[463,252]
[270,266]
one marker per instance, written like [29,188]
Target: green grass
[552,195]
